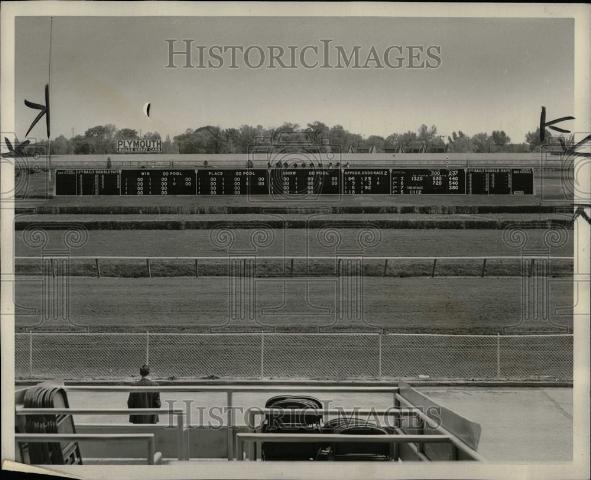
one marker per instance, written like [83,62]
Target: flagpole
[49,96]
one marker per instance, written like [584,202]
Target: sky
[495,74]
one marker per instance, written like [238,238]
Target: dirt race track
[446,304]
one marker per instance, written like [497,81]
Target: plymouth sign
[139,145]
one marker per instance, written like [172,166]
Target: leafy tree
[375,141]
[152,136]
[60,146]
[533,139]
[80,145]
[500,138]
[460,142]
[126,133]
[482,143]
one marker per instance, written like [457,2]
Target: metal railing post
[262,355]
[483,268]
[380,355]
[148,267]
[230,421]
[98,268]
[251,420]
[239,450]
[30,354]
[147,348]
[181,436]
[498,355]
[151,450]
[196,268]
[385,267]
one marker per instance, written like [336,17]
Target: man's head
[144,370]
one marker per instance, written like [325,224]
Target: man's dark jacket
[144,400]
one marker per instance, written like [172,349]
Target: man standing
[144,399]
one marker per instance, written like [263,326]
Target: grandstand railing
[179,414]
[235,439]
[151,458]
[262,355]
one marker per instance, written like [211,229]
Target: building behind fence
[309,356]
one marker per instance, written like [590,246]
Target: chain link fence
[330,356]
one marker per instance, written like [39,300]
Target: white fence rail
[331,356]
[523,264]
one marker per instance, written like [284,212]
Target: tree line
[102,139]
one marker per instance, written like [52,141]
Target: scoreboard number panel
[232,182]
[158,182]
[326,181]
[109,183]
[66,182]
[366,181]
[255,180]
[87,182]
[522,181]
[428,181]
[305,181]
[499,181]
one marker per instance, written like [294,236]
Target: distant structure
[311,141]
[353,149]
